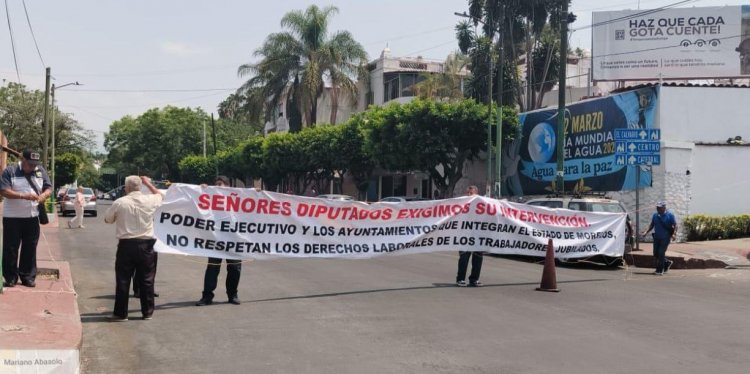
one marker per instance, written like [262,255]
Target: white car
[336,197]
[67,205]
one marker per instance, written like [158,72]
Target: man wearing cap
[234,267]
[21,217]
[665,228]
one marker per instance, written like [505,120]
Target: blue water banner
[590,145]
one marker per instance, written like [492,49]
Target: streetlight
[52,174]
[498,192]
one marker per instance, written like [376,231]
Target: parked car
[401,199]
[336,197]
[590,204]
[67,206]
[61,194]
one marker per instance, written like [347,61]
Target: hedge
[700,227]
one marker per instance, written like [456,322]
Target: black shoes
[116,318]
[8,284]
[29,283]
[475,284]
[204,301]
[234,300]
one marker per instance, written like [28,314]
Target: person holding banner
[24,186]
[665,227]
[133,215]
[463,258]
[234,267]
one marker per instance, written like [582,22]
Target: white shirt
[13,178]
[134,215]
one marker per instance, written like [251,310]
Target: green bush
[700,227]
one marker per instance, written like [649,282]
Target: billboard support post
[561,98]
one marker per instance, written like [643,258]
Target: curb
[40,327]
[643,260]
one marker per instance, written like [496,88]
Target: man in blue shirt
[665,228]
[24,185]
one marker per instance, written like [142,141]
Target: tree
[434,137]
[155,142]
[357,161]
[197,169]
[21,120]
[297,63]
[446,85]
[523,23]
[67,167]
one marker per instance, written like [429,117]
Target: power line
[12,42]
[154,90]
[634,15]
[28,20]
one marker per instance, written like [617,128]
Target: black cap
[31,156]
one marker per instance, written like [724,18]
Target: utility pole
[45,145]
[489,125]
[499,132]
[561,98]
[213,131]
[51,170]
[204,139]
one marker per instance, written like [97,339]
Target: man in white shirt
[21,217]
[133,215]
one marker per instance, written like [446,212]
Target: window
[407,83]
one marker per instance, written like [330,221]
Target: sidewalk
[40,328]
[697,255]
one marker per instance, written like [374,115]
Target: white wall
[720,183]
[703,114]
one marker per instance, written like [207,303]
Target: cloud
[182,49]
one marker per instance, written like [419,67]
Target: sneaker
[658,273]
[234,300]
[116,318]
[669,266]
[203,302]
[9,284]
[148,318]
[475,284]
[29,283]
[461,283]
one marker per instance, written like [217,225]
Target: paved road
[402,315]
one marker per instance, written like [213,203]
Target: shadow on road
[434,286]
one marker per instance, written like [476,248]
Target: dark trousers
[463,263]
[660,253]
[135,256]
[23,233]
[234,267]
[136,286]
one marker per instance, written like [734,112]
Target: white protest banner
[244,223]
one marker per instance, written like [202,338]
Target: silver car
[67,207]
[336,197]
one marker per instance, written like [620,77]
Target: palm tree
[297,62]
[446,85]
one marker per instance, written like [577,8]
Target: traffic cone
[549,279]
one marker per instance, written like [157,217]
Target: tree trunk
[334,104]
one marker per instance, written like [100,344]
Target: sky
[134,55]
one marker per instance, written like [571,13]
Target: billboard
[708,42]
[591,162]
